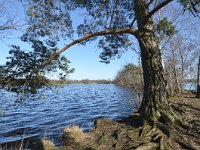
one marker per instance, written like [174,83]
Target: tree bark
[170,90]
[154,98]
[177,85]
[198,80]
[175,72]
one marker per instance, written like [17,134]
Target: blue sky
[85,59]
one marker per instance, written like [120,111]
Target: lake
[50,110]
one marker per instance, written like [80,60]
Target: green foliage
[52,20]
[164,28]
[129,76]
[22,70]
[48,18]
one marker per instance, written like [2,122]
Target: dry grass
[17,145]
[47,144]
[72,134]
[74,131]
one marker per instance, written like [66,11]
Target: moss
[133,145]
[133,134]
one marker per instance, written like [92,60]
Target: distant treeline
[33,84]
[18,82]
[129,76]
[84,81]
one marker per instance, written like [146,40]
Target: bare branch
[161,5]
[132,23]
[151,1]
[88,36]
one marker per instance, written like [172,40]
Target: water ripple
[48,112]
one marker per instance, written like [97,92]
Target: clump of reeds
[72,134]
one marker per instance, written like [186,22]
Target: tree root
[161,138]
[165,129]
[168,131]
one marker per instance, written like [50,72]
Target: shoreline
[121,134]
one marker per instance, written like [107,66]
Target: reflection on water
[48,112]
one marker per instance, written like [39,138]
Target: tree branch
[113,12]
[88,36]
[161,5]
[151,1]
[131,25]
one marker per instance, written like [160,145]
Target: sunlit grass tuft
[72,134]
[47,144]
[74,131]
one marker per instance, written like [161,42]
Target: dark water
[48,112]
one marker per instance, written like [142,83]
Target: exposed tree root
[168,131]
[112,135]
[162,137]
[163,130]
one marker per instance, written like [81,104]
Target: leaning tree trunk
[154,104]
[155,110]
[198,80]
